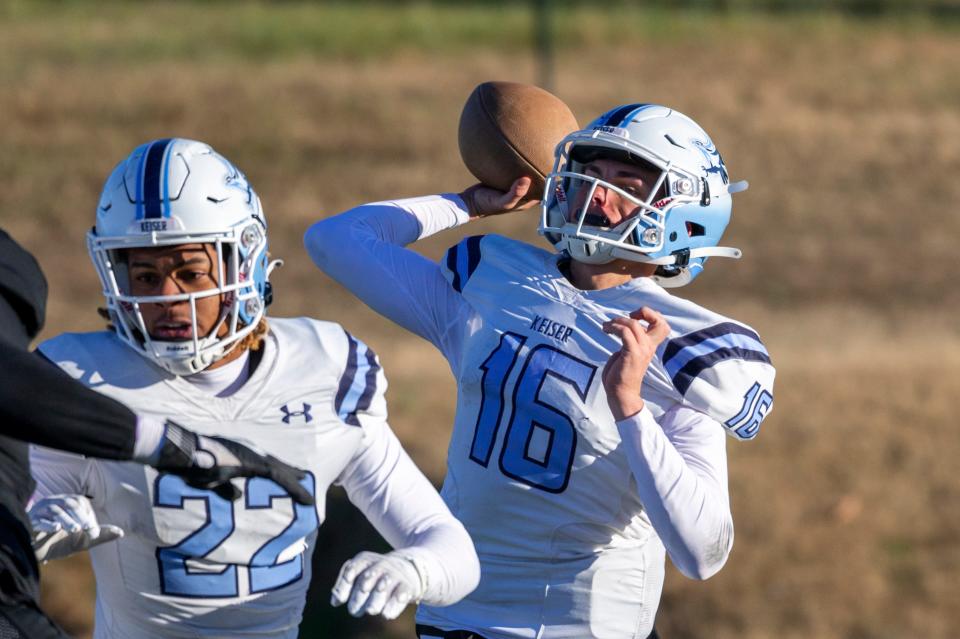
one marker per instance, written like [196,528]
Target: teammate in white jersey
[181,249]
[583,446]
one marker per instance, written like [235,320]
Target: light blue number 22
[265,573]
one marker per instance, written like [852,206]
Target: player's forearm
[433,213]
[42,405]
[407,511]
[397,222]
[683,493]
[445,557]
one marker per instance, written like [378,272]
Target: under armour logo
[287,413]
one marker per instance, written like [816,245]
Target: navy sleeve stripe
[452,267]
[686,375]
[358,383]
[370,387]
[346,381]
[462,260]
[473,256]
[692,339]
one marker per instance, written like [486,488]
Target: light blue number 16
[530,415]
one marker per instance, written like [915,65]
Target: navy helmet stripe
[346,381]
[166,185]
[615,118]
[686,375]
[152,177]
[366,398]
[139,189]
[452,267]
[692,339]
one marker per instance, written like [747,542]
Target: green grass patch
[113,33]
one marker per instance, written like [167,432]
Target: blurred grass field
[849,132]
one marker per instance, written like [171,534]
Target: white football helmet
[676,227]
[177,191]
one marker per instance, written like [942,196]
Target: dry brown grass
[846,506]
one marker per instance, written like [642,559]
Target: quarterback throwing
[593,405]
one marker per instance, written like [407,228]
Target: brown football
[509,129]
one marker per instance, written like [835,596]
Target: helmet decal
[713,163]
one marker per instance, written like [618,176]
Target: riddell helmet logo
[613,130]
[177,348]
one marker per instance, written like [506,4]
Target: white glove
[376,584]
[65,524]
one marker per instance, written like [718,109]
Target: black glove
[209,463]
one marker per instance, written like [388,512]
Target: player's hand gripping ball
[509,130]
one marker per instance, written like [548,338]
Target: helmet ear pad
[254,307]
[690,226]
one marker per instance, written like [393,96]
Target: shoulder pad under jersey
[98,356]
[493,259]
[723,370]
[360,382]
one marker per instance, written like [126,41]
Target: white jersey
[569,511]
[195,565]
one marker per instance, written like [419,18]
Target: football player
[40,404]
[592,404]
[180,246]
